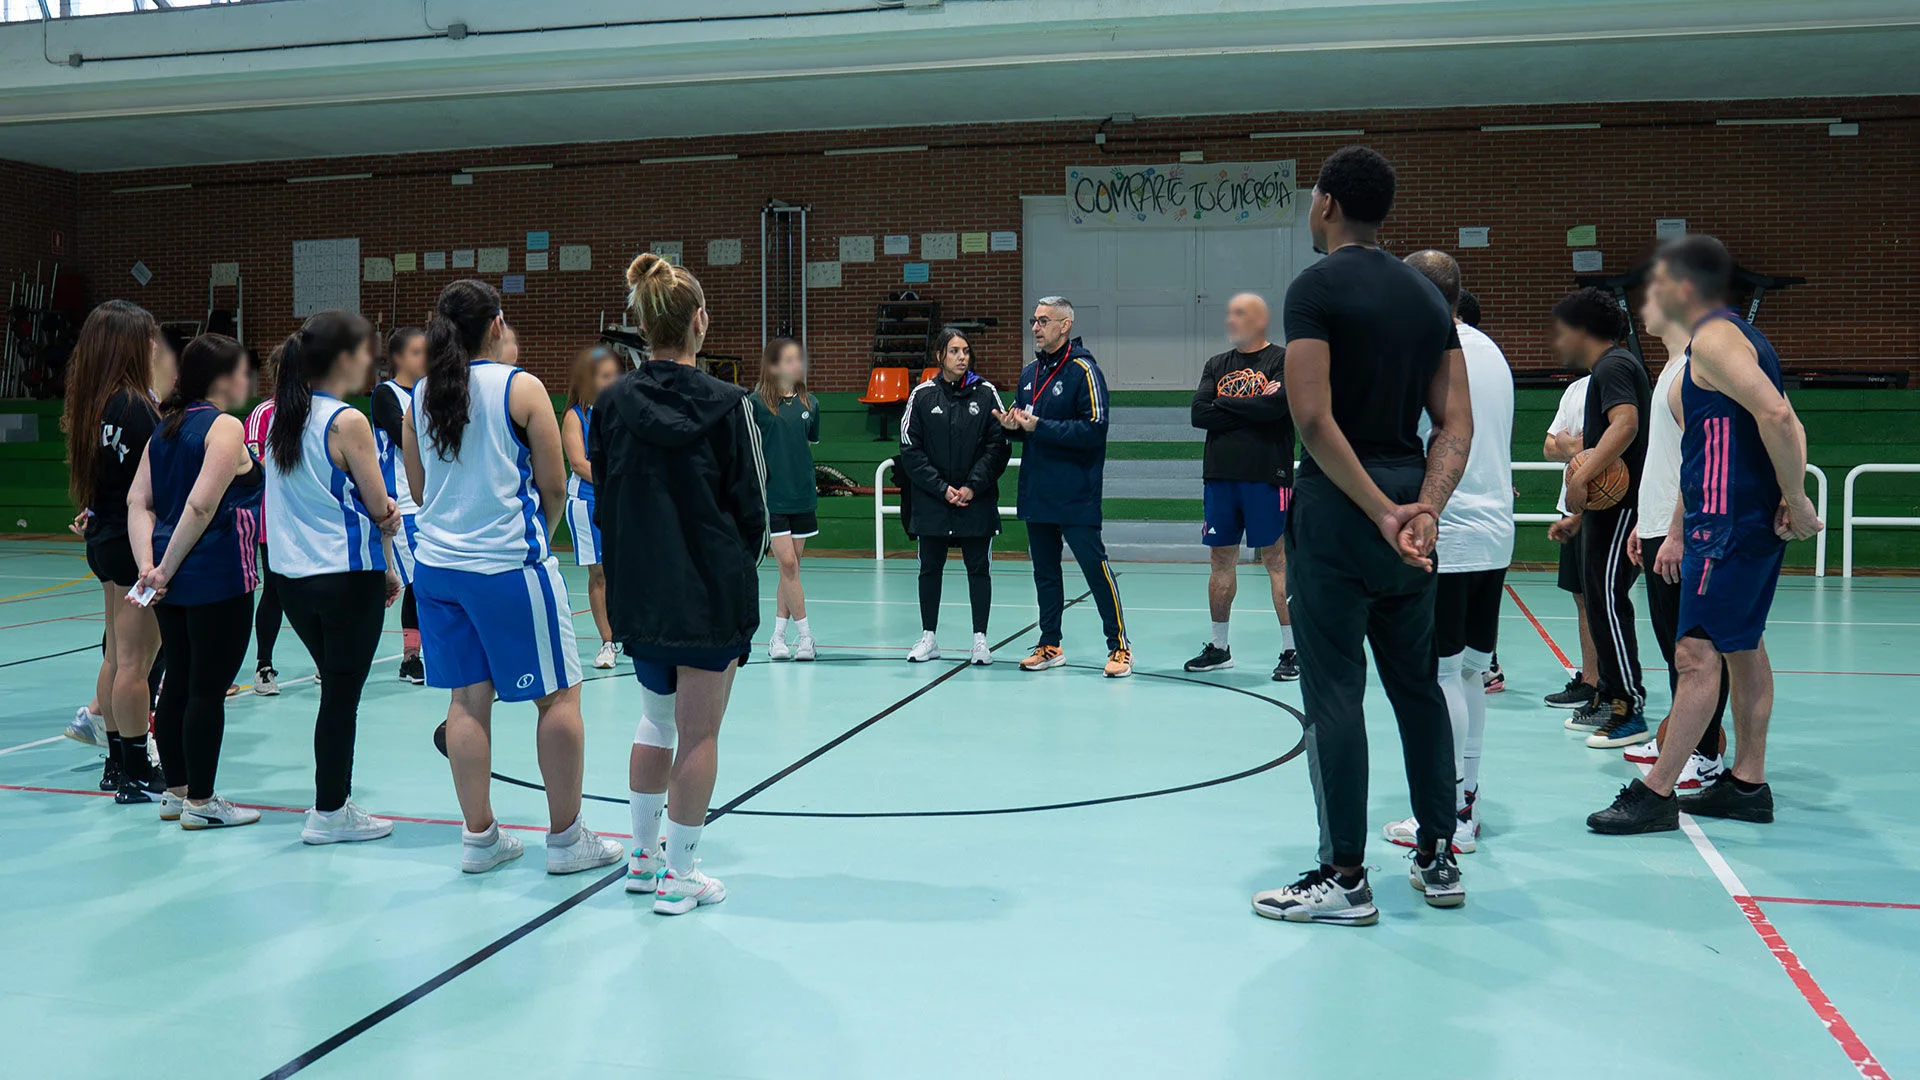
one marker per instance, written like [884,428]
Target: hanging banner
[1216,194]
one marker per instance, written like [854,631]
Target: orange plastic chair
[928,373]
[886,386]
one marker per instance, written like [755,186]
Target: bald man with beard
[1247,473]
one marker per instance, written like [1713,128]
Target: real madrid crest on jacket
[949,438]
[1063,461]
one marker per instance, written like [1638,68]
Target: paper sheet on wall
[1669,228]
[1005,241]
[376,268]
[898,244]
[536,260]
[513,283]
[224,275]
[823,275]
[1587,262]
[537,241]
[1476,236]
[916,273]
[673,251]
[492,260]
[326,276]
[973,243]
[723,253]
[939,245]
[1583,236]
[576,257]
[463,259]
[856,249]
[140,272]
[403,263]
[434,260]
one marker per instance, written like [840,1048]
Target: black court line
[51,655]
[368,1022]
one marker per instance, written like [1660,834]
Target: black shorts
[1570,571]
[111,559]
[798,526]
[1466,611]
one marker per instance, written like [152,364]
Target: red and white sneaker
[1700,771]
[1645,754]
[1466,834]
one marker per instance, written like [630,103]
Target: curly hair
[1361,181]
[1593,312]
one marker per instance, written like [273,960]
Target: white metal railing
[1538,466]
[881,511]
[1820,507]
[1848,520]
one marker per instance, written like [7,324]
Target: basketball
[1243,383]
[1605,491]
[1660,738]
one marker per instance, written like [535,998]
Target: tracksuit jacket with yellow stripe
[1064,458]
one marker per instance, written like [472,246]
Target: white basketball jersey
[479,512]
[393,466]
[314,512]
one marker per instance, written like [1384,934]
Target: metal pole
[803,278]
[763,278]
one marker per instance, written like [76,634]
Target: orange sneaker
[1044,657]
[1120,663]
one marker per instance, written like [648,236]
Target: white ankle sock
[779,628]
[646,808]
[1220,635]
[682,842]
[800,627]
[1286,637]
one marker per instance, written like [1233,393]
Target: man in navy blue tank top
[1742,498]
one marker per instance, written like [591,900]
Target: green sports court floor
[936,871]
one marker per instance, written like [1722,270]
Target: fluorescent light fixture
[324,179]
[848,151]
[506,168]
[1588,126]
[1779,121]
[1843,129]
[462,178]
[1321,134]
[151,187]
[686,158]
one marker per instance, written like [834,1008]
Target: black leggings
[409,611]
[205,645]
[933,560]
[266,618]
[338,618]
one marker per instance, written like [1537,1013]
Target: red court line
[1541,630]
[1823,1007]
[297,810]
[1835,903]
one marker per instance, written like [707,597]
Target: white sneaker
[266,682]
[347,825]
[605,658]
[88,728]
[580,848]
[216,813]
[171,805]
[1645,754]
[981,655]
[644,870]
[777,650]
[803,649]
[925,649]
[1405,833]
[1438,880]
[481,852]
[1319,897]
[1700,771]
[681,893]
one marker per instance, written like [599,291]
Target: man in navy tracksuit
[1060,412]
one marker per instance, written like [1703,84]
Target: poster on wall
[326,275]
[1214,195]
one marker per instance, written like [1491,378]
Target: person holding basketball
[1247,473]
[1588,328]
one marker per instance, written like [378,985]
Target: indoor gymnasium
[1075,495]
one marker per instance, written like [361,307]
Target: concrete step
[1120,487]
[1183,469]
[1153,424]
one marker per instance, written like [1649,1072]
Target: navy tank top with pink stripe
[226,561]
[1726,478]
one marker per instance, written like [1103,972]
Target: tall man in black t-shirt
[1588,328]
[1246,473]
[1370,343]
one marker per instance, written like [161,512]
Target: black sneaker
[1212,658]
[140,790]
[1288,669]
[112,775]
[1637,810]
[413,670]
[1591,716]
[1724,799]
[1574,695]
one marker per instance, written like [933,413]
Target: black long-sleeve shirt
[1248,438]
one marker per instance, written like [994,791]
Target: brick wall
[1790,200]
[34,203]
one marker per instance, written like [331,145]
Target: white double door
[1151,303]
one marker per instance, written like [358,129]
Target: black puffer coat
[949,438]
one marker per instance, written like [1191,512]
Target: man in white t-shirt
[1565,438]
[1472,553]
[1659,491]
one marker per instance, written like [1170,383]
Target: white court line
[31,745]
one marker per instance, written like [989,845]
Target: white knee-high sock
[1473,667]
[1455,692]
[646,808]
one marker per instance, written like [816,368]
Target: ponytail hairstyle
[768,391]
[456,334]
[666,299]
[206,359]
[307,356]
[114,352]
